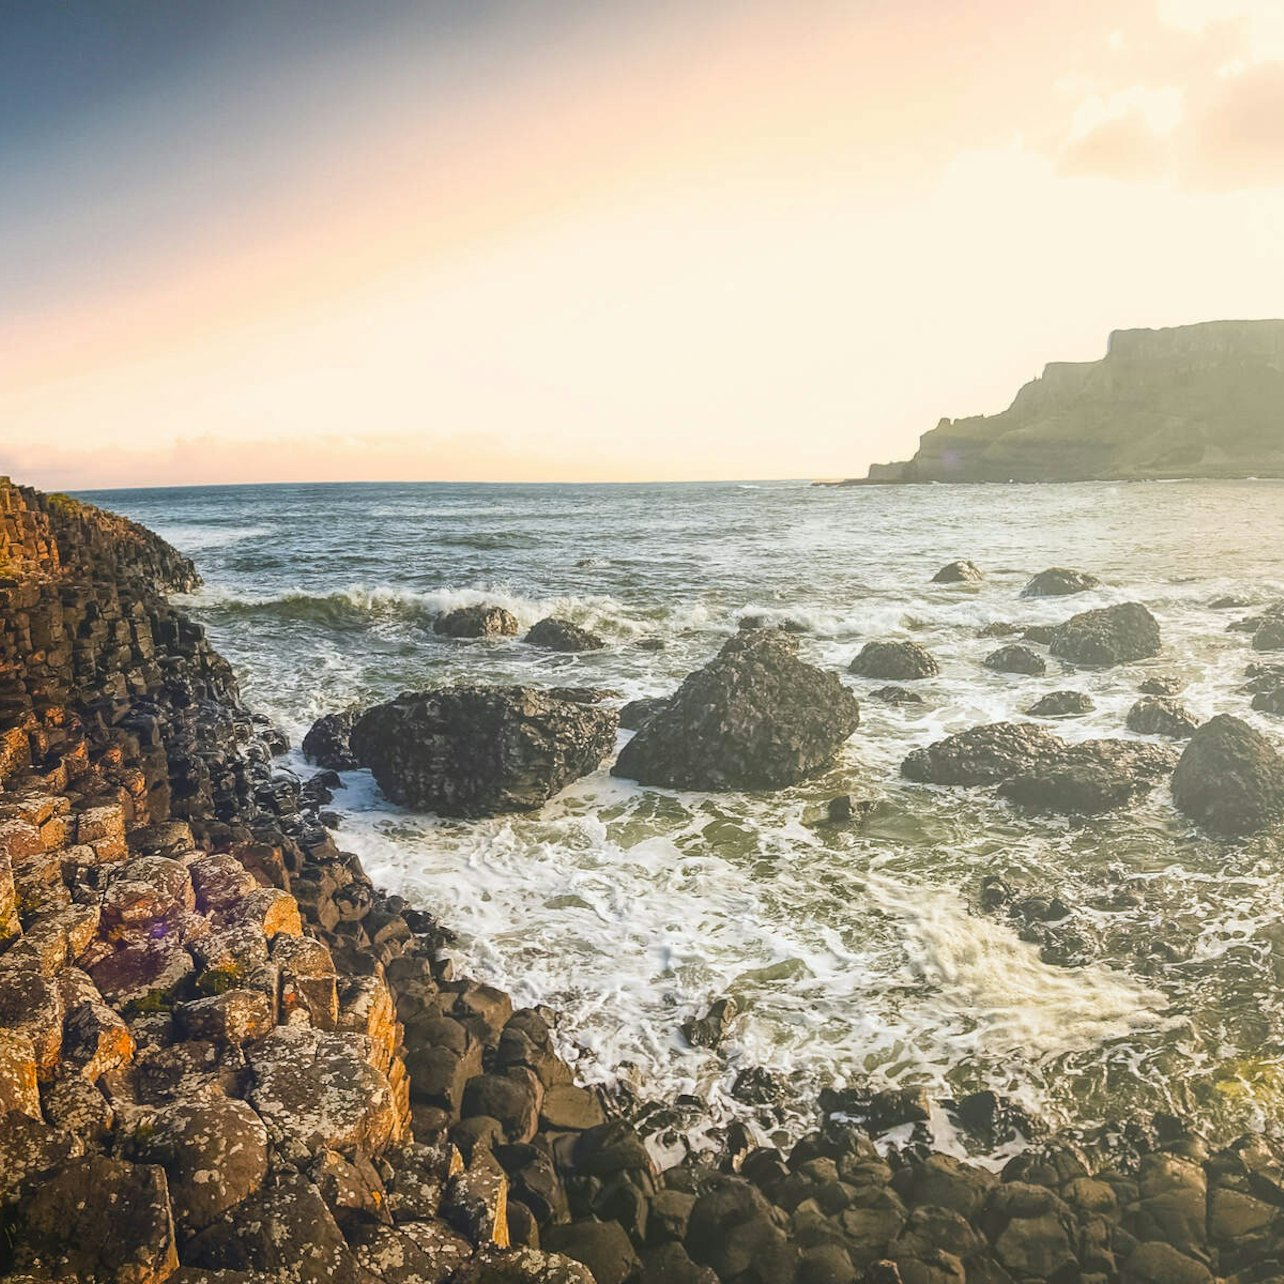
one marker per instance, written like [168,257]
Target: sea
[861,956]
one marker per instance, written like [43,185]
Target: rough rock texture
[755,717]
[1230,779]
[1062,704]
[328,742]
[477,751]
[960,572]
[894,662]
[1039,771]
[1110,635]
[1161,716]
[562,635]
[1192,401]
[477,622]
[1016,659]
[1059,581]
[636,712]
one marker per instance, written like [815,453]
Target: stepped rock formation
[226,1057]
[1201,400]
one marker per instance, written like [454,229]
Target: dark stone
[1090,777]
[1040,634]
[1058,581]
[1062,704]
[477,622]
[603,1247]
[1108,636]
[896,695]
[1269,636]
[636,712]
[476,751]
[755,717]
[709,1030]
[327,743]
[1161,685]
[981,755]
[1016,659]
[554,634]
[894,662]
[960,572]
[733,1231]
[1161,716]
[1230,779]
[1270,701]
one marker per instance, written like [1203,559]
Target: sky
[601,240]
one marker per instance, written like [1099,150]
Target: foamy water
[857,955]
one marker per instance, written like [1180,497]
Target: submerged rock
[1108,636]
[1016,659]
[894,662]
[1230,780]
[477,622]
[981,755]
[327,743]
[1161,685]
[960,572]
[554,634]
[1062,704]
[1161,716]
[1270,635]
[476,751]
[1059,581]
[896,695]
[755,717]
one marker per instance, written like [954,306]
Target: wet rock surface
[1230,779]
[477,622]
[1059,581]
[1108,636]
[894,662]
[1062,704]
[960,572]
[1016,659]
[755,717]
[562,635]
[476,751]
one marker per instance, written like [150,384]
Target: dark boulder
[1040,634]
[1016,659]
[554,634]
[476,751]
[327,743]
[1271,701]
[1161,685]
[1161,716]
[894,662]
[1230,780]
[1111,635]
[960,572]
[981,755]
[1229,602]
[755,717]
[1062,704]
[1058,581]
[477,622]
[1091,777]
[636,712]
[1270,634]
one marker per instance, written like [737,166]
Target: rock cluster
[755,717]
[1040,771]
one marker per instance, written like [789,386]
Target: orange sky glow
[708,240]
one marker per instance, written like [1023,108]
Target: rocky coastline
[226,1056]
[1188,401]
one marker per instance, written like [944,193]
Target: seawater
[858,955]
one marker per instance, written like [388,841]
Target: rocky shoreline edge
[226,1056]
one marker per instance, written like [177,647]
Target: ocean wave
[194,537]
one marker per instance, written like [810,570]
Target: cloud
[1124,147]
[1236,140]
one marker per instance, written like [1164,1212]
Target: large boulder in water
[1155,715]
[1111,635]
[1016,659]
[894,662]
[1090,777]
[1230,779]
[477,622]
[554,634]
[755,717]
[1059,581]
[477,751]
[981,755]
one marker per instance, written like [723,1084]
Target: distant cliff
[1193,401]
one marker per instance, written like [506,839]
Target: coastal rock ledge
[1191,401]
[226,1057]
